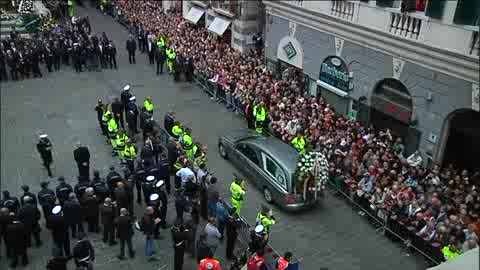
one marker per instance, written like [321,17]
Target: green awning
[467,12]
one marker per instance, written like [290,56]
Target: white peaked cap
[159,183]
[133,98]
[154,197]
[127,87]
[150,178]
[57,209]
[43,136]
[259,228]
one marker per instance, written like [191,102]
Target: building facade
[411,66]
[235,21]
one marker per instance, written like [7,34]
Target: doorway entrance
[461,143]
[392,108]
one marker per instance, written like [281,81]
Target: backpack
[255,263]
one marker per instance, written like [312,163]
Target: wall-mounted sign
[289,50]
[334,72]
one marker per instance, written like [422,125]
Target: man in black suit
[102,55]
[111,51]
[82,157]
[125,232]
[151,51]
[131,48]
[160,56]
[16,240]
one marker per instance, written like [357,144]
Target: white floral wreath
[306,166]
[25,7]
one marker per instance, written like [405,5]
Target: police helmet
[154,197]
[56,210]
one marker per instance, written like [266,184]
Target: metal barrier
[393,228]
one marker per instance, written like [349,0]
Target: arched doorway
[392,107]
[461,144]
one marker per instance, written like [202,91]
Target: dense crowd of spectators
[442,204]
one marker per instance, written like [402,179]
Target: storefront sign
[289,50]
[334,72]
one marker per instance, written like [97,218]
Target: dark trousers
[84,171]
[108,233]
[36,236]
[3,74]
[160,67]
[76,227]
[178,257]
[14,74]
[47,166]
[230,247]
[78,65]
[138,186]
[56,62]
[15,256]
[151,59]
[128,241]
[113,62]
[64,246]
[119,120]
[131,57]
[36,70]
[93,224]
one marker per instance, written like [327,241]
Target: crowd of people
[441,203]
[70,44]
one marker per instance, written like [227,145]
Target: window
[249,152]
[272,169]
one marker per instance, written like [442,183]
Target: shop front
[221,28]
[289,59]
[335,83]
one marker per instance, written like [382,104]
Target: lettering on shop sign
[334,72]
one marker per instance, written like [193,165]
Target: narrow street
[62,105]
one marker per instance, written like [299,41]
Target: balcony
[228,8]
[404,25]
[475,46]
[343,9]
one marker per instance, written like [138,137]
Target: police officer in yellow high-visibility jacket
[299,143]
[70,8]
[260,114]
[107,114]
[130,154]
[119,143]
[161,43]
[148,105]
[190,153]
[449,252]
[265,218]
[112,128]
[177,130]
[103,3]
[237,191]
[171,55]
[186,139]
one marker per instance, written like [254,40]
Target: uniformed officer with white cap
[160,190]
[148,187]
[125,96]
[132,115]
[60,232]
[44,148]
[154,202]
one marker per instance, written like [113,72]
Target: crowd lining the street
[441,204]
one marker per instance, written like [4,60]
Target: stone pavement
[62,104]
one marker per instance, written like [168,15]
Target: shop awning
[218,26]
[194,15]
[332,88]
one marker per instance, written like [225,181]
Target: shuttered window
[467,12]
[435,8]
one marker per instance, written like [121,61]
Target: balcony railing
[230,6]
[343,9]
[404,25]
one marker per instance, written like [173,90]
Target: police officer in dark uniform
[177,68]
[49,57]
[125,97]
[12,64]
[27,193]
[77,57]
[131,48]
[132,115]
[59,228]
[139,177]
[189,68]
[29,215]
[46,199]
[148,186]
[99,186]
[57,55]
[83,253]
[44,147]
[35,57]
[82,158]
[180,236]
[80,188]
[16,240]
[10,202]
[63,190]
[159,188]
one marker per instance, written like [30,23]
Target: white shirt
[184,173]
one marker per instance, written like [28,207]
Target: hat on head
[133,98]
[56,210]
[259,228]
[43,136]
[44,184]
[127,87]
[154,197]
[150,178]
[61,179]
[159,183]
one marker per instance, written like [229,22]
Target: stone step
[8,23]
[7,35]
[6,30]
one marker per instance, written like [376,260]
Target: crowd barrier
[392,228]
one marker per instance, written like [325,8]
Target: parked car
[270,165]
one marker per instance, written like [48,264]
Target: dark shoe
[152,259]
[113,243]
[121,257]
[132,255]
